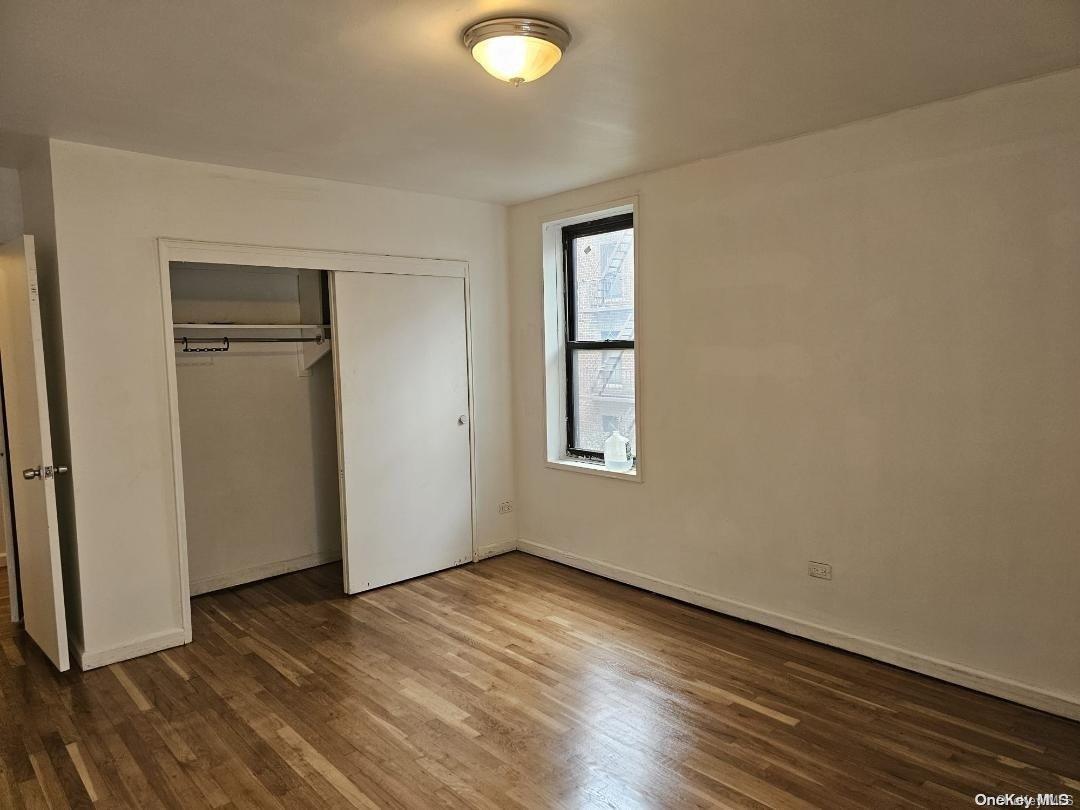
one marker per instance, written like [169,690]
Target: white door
[403,418]
[30,451]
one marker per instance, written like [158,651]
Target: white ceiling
[382,92]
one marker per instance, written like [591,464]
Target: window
[598,288]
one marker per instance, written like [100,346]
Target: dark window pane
[604,286]
[603,397]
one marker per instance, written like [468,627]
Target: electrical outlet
[820,570]
[506,507]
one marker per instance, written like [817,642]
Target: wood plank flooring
[515,682]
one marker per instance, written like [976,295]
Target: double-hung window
[598,291]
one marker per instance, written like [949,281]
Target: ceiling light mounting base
[516,26]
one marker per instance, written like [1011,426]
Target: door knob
[461,420]
[30,473]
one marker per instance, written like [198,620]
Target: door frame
[225,253]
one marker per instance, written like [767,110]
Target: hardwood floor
[515,682]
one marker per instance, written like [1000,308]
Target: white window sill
[592,468]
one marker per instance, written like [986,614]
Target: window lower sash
[572,347]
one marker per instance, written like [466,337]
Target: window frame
[593,227]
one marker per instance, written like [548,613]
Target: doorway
[10,547]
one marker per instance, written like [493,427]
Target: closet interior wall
[257,425]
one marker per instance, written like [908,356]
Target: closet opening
[255,400]
[321,412]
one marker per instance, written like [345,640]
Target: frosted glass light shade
[516,59]
[516,49]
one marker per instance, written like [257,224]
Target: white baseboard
[144,646]
[1026,694]
[490,550]
[231,579]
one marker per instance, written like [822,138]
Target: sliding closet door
[403,405]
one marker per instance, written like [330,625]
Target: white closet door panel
[403,405]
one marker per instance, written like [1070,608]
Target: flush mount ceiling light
[516,49]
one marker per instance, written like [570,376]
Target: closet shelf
[219,326]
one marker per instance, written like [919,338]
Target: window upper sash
[619,222]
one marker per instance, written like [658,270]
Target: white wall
[861,347]
[111,206]
[11,223]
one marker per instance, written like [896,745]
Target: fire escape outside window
[598,262]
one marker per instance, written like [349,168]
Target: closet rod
[227,341]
